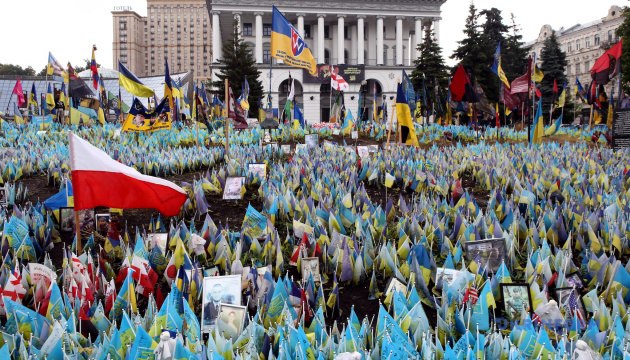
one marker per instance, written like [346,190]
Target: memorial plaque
[621,129]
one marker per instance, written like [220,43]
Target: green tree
[554,62]
[514,56]
[492,34]
[623,31]
[430,64]
[10,69]
[239,64]
[470,52]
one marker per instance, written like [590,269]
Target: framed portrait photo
[158,239]
[490,252]
[395,285]
[574,280]
[258,169]
[232,319]
[87,220]
[516,297]
[66,219]
[354,135]
[102,222]
[3,196]
[563,295]
[217,291]
[310,267]
[233,185]
[311,140]
[286,148]
[372,149]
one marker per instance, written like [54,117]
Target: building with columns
[583,45]
[370,42]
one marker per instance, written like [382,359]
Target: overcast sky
[68,28]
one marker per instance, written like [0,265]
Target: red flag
[99,180]
[555,91]
[608,65]
[17,90]
[461,87]
[511,101]
[521,84]
[235,111]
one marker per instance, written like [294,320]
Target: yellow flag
[538,74]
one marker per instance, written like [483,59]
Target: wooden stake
[78,231]
[226,127]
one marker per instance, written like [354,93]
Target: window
[596,39]
[307,31]
[266,29]
[326,56]
[266,56]
[345,32]
[346,56]
[384,32]
[326,32]
[587,65]
[577,68]
[247,29]
[610,35]
[587,42]
[577,45]
[569,70]
[569,47]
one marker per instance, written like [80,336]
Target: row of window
[587,41]
[172,9]
[248,31]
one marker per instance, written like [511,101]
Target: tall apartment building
[370,42]
[176,29]
[583,45]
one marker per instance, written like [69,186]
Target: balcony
[606,45]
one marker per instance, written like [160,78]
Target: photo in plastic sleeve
[66,219]
[310,267]
[233,185]
[87,220]
[311,140]
[158,239]
[258,170]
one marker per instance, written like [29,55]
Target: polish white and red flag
[338,83]
[99,180]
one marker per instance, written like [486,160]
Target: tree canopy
[239,64]
[10,69]
[430,63]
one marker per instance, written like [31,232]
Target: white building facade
[583,45]
[370,43]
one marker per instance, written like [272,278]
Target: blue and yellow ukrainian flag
[537,131]
[168,86]
[288,45]
[403,112]
[50,98]
[132,84]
